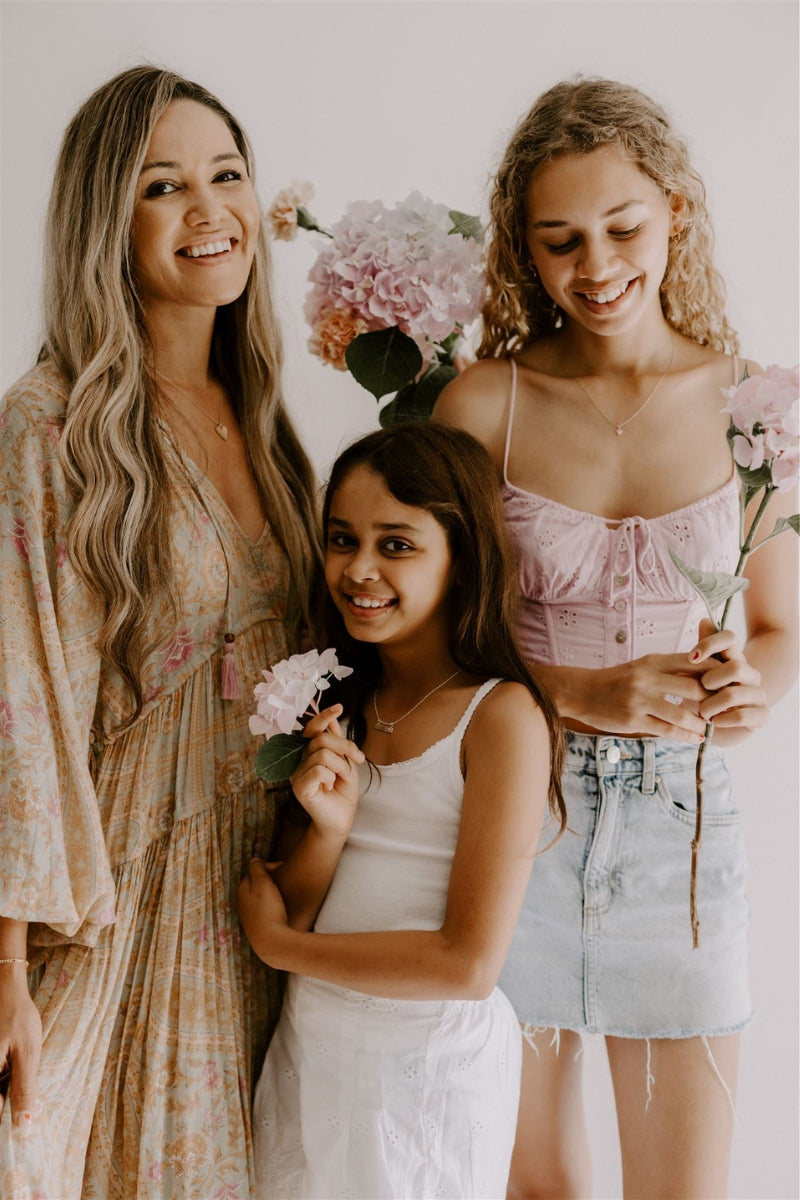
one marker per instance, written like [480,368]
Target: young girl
[395,1067]
[598,397]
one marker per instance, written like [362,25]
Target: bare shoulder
[477,401]
[508,714]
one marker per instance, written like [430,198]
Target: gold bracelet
[8,960]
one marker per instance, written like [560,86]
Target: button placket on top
[632,551]
[622,575]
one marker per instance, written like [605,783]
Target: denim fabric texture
[604,942]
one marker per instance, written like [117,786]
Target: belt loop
[649,767]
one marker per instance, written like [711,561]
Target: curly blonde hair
[111,448]
[575,118]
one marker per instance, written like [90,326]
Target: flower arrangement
[391,293]
[763,433]
[291,690]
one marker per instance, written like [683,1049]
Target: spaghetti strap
[735,369]
[511,403]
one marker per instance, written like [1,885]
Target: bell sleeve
[54,868]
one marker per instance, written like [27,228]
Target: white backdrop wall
[372,99]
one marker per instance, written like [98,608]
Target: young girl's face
[598,231]
[388,565]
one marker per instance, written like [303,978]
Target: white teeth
[208,248]
[606,297]
[364,603]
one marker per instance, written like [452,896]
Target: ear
[677,207]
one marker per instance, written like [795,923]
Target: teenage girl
[395,1067]
[598,396]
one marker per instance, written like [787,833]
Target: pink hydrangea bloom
[399,267]
[764,410]
[291,688]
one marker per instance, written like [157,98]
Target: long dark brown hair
[449,474]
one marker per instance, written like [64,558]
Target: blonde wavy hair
[111,450]
[575,117]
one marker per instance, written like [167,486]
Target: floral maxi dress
[124,847]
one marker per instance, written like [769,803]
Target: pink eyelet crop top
[595,596]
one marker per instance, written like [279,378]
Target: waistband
[607,754]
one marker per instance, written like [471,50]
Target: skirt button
[612,754]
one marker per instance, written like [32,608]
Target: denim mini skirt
[604,941]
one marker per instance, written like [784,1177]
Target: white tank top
[395,867]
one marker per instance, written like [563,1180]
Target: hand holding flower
[326,782]
[737,704]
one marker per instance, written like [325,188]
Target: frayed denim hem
[535,1026]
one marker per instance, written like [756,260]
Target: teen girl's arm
[507,770]
[751,679]
[326,784]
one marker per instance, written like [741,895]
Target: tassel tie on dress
[230,689]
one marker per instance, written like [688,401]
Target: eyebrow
[174,166]
[385,527]
[612,212]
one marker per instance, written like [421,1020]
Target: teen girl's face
[388,565]
[598,231]
[196,216]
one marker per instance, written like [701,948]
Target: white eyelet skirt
[363,1097]
[604,941]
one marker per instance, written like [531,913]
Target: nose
[205,207]
[598,259]
[363,566]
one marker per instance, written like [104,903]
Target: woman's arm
[20,1024]
[506,751]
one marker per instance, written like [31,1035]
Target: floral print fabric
[155,1012]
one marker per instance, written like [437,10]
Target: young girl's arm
[326,784]
[506,751]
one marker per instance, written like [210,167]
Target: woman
[157,554]
[599,396]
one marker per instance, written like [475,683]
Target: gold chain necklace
[388,726]
[620,425]
[219,428]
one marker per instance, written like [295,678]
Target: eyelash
[153,191]
[343,541]
[619,234]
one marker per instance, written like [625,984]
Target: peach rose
[333,333]
[282,215]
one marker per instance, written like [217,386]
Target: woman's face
[598,232]
[196,217]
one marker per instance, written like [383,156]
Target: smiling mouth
[208,249]
[609,294]
[369,604]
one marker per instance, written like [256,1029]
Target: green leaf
[383,361]
[306,221]
[467,226]
[786,523]
[713,587]
[402,408]
[431,384]
[278,756]
[415,401]
[449,344]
